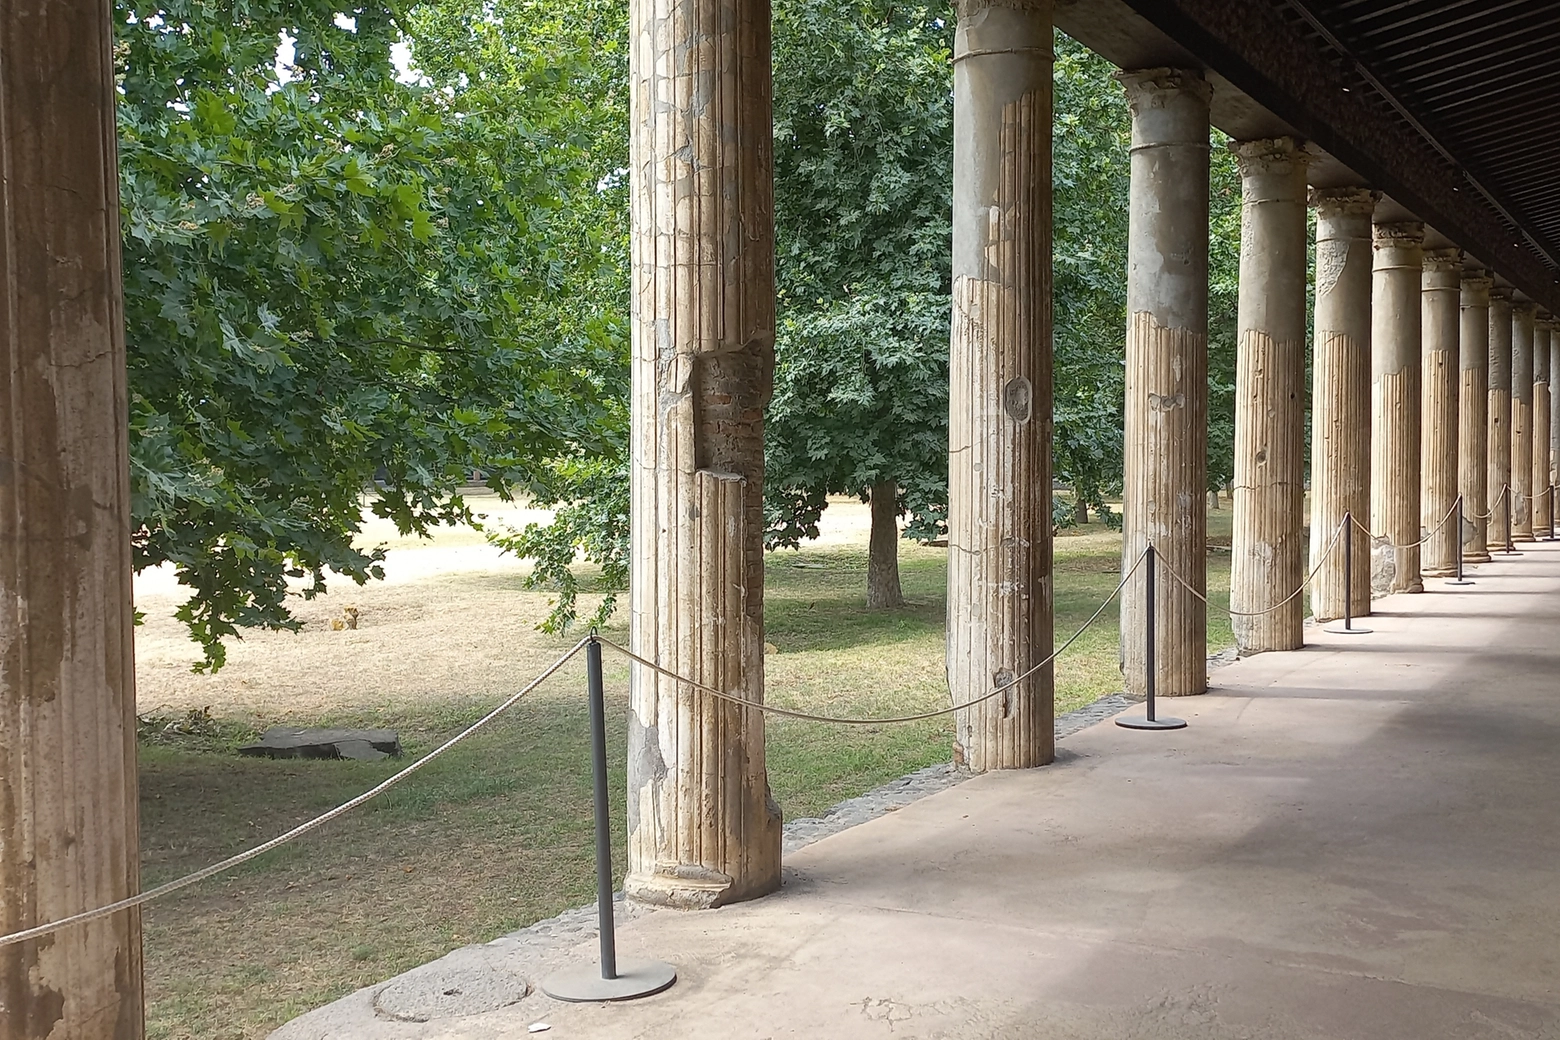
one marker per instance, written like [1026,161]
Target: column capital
[1398,234]
[1269,155]
[1543,319]
[966,8]
[1523,309]
[1147,84]
[1501,293]
[1441,261]
[1476,290]
[1344,202]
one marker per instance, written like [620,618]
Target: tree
[1224,216]
[332,276]
[863,158]
[1091,166]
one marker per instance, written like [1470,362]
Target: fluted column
[1165,478]
[1541,462]
[1267,548]
[702,827]
[1522,422]
[1554,402]
[1340,399]
[1499,485]
[68,799]
[1473,416]
[999,476]
[1441,333]
[1395,391]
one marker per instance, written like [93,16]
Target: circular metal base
[585,985]
[1509,552]
[1459,581]
[1160,723]
[1338,629]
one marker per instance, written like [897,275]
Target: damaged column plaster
[999,424]
[702,827]
[1267,561]
[1395,378]
[68,787]
[1499,411]
[1473,406]
[1165,479]
[1440,299]
[1541,422]
[1522,489]
[1340,401]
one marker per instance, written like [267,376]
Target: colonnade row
[1409,409]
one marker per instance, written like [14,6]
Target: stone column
[1554,402]
[1395,377]
[1473,417]
[1442,353]
[1541,463]
[1340,400]
[999,474]
[1267,562]
[1522,489]
[1498,488]
[68,797]
[1165,478]
[702,827]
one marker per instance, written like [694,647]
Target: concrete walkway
[1360,839]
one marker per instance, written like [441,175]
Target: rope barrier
[304,828]
[1326,554]
[1505,489]
[1414,545]
[790,713]
[298,831]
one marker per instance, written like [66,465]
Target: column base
[1337,629]
[1483,557]
[1440,572]
[694,888]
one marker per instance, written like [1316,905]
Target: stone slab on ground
[297,742]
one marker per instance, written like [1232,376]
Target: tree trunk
[1080,511]
[883,549]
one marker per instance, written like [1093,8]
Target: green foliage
[341,277]
[592,522]
[863,120]
[1224,212]
[1091,168]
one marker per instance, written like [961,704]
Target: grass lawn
[497,834]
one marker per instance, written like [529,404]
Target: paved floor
[1360,839]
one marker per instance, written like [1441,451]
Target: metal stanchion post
[614,980]
[1511,548]
[1459,580]
[1150,661]
[1348,627]
[1551,512]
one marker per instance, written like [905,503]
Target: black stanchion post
[636,978]
[1347,628]
[1150,653]
[1459,580]
[1551,512]
[1511,548]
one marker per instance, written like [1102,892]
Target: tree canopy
[333,276]
[863,151]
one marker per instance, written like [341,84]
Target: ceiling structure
[1451,107]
